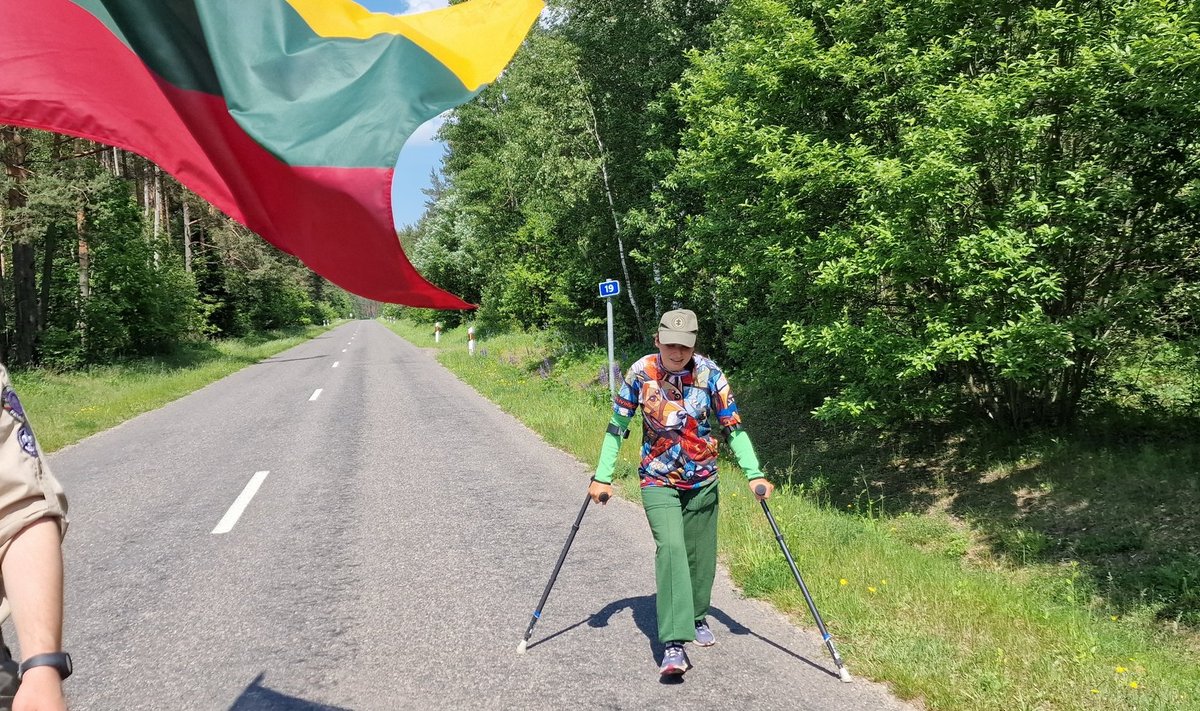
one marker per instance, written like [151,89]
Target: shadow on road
[257,697]
[291,360]
[646,619]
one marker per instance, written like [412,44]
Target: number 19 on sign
[609,288]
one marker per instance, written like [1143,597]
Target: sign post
[608,291]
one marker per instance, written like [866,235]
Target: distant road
[348,526]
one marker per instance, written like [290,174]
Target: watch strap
[59,660]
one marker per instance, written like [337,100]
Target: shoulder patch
[12,405]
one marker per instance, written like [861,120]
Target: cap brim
[681,338]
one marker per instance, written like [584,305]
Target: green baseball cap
[678,326]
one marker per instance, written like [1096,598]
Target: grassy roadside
[905,594]
[65,407]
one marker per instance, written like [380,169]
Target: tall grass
[67,406]
[902,594]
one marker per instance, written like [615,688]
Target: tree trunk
[84,258]
[3,277]
[24,265]
[47,273]
[156,203]
[594,127]
[187,236]
[25,298]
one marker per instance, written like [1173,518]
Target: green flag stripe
[308,100]
[311,99]
[166,35]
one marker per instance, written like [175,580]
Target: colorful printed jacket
[678,448]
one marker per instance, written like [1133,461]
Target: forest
[906,211]
[931,211]
[104,257]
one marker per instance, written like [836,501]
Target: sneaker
[675,660]
[704,635]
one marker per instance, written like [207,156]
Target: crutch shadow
[736,627]
[258,697]
[645,616]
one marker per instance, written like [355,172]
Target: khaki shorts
[28,491]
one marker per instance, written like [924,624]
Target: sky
[423,153]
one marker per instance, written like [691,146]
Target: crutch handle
[760,489]
[603,498]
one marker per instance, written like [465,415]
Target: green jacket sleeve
[610,448]
[739,442]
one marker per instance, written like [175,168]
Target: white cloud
[415,6]
[426,133]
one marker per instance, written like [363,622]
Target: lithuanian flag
[288,115]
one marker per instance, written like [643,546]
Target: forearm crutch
[537,614]
[843,672]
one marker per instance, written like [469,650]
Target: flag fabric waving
[287,115]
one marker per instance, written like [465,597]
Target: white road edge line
[240,503]
[316,394]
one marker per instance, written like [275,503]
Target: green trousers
[684,524]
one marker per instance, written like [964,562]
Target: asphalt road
[389,559]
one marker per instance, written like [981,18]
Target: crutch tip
[521,649]
[844,673]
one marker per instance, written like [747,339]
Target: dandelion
[1095,691]
[883,582]
[1113,618]
[1133,685]
[843,581]
[871,590]
[1121,670]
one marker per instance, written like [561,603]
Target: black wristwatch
[59,660]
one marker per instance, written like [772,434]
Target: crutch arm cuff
[616,431]
[609,449]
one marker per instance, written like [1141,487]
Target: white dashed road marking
[239,505]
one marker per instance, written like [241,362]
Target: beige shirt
[28,491]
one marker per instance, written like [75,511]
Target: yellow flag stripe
[475,39]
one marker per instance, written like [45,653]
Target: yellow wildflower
[870,589]
[1133,685]
[1121,670]
[843,581]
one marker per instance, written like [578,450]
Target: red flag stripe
[65,72]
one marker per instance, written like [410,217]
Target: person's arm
[743,450]
[618,429]
[32,570]
[739,441]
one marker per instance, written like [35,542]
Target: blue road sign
[609,288]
